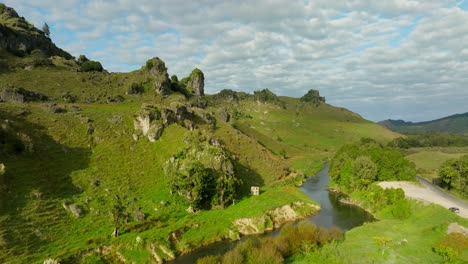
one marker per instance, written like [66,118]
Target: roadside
[428,193]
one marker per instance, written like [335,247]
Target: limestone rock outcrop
[151,121]
[162,83]
[196,84]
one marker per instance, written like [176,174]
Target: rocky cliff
[21,38]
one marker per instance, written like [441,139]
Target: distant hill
[455,124]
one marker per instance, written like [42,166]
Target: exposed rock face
[20,95]
[196,83]
[313,96]
[274,218]
[151,121]
[224,115]
[162,83]
[76,210]
[19,36]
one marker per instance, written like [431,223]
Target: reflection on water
[332,214]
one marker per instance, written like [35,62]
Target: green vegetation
[428,160]
[89,66]
[430,140]
[301,238]
[82,184]
[453,175]
[358,165]
[46,30]
[313,96]
[420,238]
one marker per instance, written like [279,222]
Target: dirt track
[427,192]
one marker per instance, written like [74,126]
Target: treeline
[430,140]
[356,167]
[453,176]
[293,239]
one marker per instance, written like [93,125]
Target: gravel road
[428,192]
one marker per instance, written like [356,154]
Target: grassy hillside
[455,124]
[74,170]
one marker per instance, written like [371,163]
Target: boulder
[20,95]
[196,84]
[76,210]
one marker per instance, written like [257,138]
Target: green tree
[46,29]
[364,171]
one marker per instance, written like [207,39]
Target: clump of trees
[453,175]
[87,65]
[203,176]
[294,239]
[429,140]
[356,167]
[313,96]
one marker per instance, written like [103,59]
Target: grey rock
[155,132]
[162,83]
[76,210]
[197,82]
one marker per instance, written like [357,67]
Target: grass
[271,148]
[396,241]
[428,160]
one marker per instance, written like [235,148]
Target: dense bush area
[294,239]
[430,140]
[356,166]
[203,176]
[313,96]
[453,175]
[91,66]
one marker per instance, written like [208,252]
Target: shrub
[149,64]
[89,66]
[313,96]
[136,88]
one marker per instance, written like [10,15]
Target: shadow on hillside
[35,183]
[249,178]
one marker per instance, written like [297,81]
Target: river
[332,214]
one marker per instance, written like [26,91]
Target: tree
[364,170]
[46,30]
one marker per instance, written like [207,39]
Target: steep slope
[456,124]
[20,37]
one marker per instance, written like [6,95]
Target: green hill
[454,124]
[88,152]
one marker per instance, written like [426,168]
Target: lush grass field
[428,160]
[394,241]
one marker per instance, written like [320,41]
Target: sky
[400,59]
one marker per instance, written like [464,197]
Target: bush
[89,66]
[313,96]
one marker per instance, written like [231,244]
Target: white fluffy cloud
[383,59]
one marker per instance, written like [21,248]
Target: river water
[332,214]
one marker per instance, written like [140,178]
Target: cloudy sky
[400,59]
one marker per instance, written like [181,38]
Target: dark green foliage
[313,96]
[203,176]
[82,59]
[149,64]
[265,95]
[430,140]
[174,83]
[349,169]
[89,66]
[294,239]
[2,7]
[453,175]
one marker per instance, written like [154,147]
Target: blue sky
[401,59]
